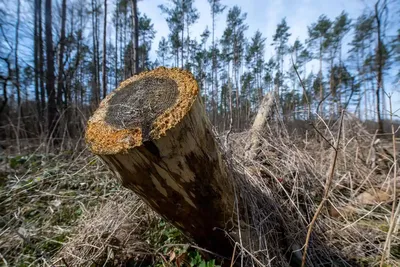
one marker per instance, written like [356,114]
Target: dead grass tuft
[109,235]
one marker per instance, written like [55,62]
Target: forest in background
[58,59]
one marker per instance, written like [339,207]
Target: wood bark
[171,160]
[41,60]
[5,80]
[379,63]
[95,97]
[60,77]
[104,73]
[36,59]
[17,83]
[116,72]
[153,133]
[51,94]
[135,37]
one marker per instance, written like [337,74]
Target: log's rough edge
[105,139]
[264,115]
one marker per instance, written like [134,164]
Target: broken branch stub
[153,133]
[264,115]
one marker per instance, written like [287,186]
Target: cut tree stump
[153,133]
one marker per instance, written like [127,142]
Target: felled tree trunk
[153,133]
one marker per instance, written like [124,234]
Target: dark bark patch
[152,148]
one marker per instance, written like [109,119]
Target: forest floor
[65,208]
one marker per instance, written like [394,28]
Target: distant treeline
[59,58]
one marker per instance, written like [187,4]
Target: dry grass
[108,234]
[293,171]
[42,198]
[68,201]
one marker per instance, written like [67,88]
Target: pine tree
[333,44]
[280,39]
[104,69]
[191,15]
[52,113]
[95,84]
[396,48]
[216,9]
[135,38]
[146,37]
[255,62]
[306,101]
[381,57]
[16,53]
[295,51]
[163,51]
[175,21]
[60,76]
[318,35]
[269,76]
[360,47]
[234,42]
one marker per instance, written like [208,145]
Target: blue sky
[264,15]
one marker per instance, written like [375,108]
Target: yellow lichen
[106,139]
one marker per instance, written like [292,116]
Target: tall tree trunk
[95,97]
[214,118]
[17,82]
[331,87]
[116,44]
[98,83]
[50,79]
[379,62]
[105,51]
[79,68]
[362,71]
[321,88]
[122,43]
[182,36]
[135,36]
[5,83]
[339,92]
[41,61]
[36,59]
[60,77]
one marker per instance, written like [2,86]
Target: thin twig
[4,260]
[323,137]
[65,262]
[233,255]
[192,246]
